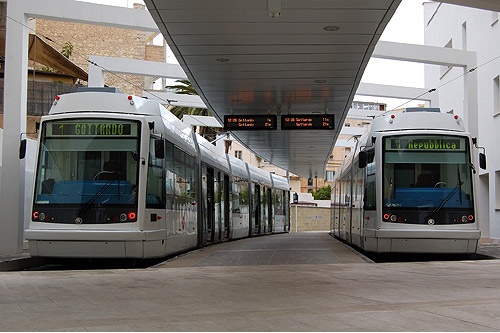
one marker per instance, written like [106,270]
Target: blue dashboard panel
[89,191]
[429,197]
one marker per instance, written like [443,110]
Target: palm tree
[186,88]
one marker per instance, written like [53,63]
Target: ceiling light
[331,28]
[273,8]
[320,81]
[222,59]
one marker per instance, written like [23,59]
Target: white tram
[119,176]
[408,187]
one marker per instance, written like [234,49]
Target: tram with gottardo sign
[119,176]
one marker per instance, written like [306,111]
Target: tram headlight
[393,218]
[131,216]
[465,219]
[123,217]
[42,217]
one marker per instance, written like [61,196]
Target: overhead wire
[442,85]
[84,58]
[169,102]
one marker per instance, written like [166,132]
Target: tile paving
[288,282]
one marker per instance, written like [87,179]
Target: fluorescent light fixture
[274,8]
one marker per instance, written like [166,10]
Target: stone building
[106,41]
[45,81]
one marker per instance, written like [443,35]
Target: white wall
[479,31]
[30,167]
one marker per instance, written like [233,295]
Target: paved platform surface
[288,282]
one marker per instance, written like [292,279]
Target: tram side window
[155,194]
[184,177]
[370,185]
[179,177]
[189,176]
[240,195]
[169,175]
[236,196]
[278,202]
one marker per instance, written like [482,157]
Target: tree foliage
[67,49]
[323,193]
[186,88]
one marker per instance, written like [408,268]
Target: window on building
[445,69]
[329,175]
[496,95]
[464,36]
[494,18]
[497,189]
[238,154]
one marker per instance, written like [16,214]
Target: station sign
[307,121]
[250,122]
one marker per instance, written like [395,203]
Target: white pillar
[12,185]
[471,118]
[96,75]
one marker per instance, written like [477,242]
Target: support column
[471,118]
[12,185]
[96,75]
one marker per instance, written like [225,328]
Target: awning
[43,53]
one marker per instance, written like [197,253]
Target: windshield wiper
[471,166]
[98,193]
[446,199]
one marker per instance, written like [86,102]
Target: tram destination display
[92,128]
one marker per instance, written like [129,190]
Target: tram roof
[418,121]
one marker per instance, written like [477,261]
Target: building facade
[478,31]
[106,41]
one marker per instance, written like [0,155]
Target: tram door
[257,211]
[210,209]
[218,215]
[270,199]
[226,202]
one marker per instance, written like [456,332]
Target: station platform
[287,282]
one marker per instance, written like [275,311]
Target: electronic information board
[250,122]
[307,121]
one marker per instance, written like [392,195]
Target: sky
[406,26]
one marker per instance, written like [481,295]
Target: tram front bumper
[422,241]
[90,244]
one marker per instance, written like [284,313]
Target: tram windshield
[84,166]
[430,173]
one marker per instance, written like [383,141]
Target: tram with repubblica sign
[408,186]
[119,176]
